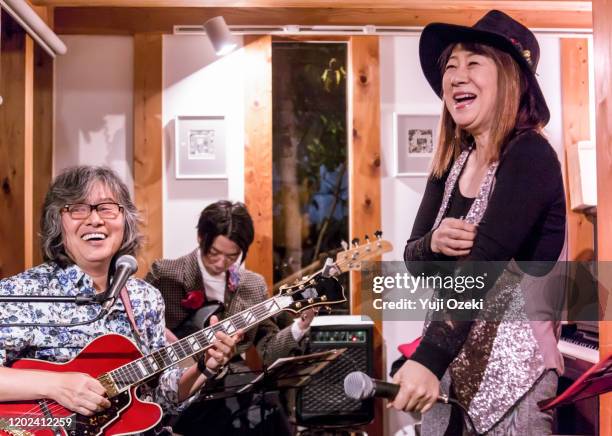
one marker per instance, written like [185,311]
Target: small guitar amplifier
[323,402]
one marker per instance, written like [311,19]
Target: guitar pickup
[109,385]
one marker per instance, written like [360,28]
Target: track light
[220,36]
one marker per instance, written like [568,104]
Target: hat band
[525,53]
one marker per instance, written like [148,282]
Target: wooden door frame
[364,150]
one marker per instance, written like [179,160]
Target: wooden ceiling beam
[541,5]
[122,20]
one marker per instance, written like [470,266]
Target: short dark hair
[228,219]
[73,186]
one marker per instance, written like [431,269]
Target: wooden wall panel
[15,148]
[148,133]
[364,172]
[28,153]
[258,152]
[602,37]
[42,139]
[126,20]
[575,102]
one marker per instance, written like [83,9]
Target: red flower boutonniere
[193,300]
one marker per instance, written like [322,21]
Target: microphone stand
[79,300]
[126,265]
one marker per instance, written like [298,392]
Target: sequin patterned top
[524,220]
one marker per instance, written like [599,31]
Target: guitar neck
[141,369]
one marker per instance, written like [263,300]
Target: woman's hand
[76,391]
[419,388]
[224,348]
[454,237]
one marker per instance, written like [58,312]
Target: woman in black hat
[495,193]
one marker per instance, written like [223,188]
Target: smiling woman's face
[92,242]
[470,90]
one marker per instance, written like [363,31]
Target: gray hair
[73,185]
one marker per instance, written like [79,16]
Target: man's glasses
[215,254]
[81,211]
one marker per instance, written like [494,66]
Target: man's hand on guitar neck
[223,350]
[215,358]
[306,317]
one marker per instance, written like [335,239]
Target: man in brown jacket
[210,274]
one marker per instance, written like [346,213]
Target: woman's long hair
[515,111]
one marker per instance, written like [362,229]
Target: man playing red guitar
[88,221]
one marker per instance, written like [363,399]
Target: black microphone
[125,266]
[360,386]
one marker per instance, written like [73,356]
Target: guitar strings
[129,374]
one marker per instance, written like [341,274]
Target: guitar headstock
[351,258]
[321,288]
[315,291]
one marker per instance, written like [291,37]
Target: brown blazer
[175,277]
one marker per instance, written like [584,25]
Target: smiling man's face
[93,241]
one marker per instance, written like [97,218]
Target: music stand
[283,373]
[596,381]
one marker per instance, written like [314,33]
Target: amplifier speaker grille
[323,401]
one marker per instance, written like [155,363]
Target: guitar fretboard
[141,369]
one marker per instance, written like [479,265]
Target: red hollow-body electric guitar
[121,368]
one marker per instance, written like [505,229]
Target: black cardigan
[524,220]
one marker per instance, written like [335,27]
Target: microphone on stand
[360,386]
[125,266]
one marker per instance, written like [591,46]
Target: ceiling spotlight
[220,36]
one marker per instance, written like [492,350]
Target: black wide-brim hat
[495,29]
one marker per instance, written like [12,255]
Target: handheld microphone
[125,266]
[360,386]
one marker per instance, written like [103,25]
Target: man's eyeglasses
[81,211]
[215,254]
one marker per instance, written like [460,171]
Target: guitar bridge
[109,385]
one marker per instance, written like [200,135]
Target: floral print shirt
[60,344]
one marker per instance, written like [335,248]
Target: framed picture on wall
[415,137]
[200,148]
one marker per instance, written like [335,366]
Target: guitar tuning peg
[368,247]
[345,245]
[328,309]
[378,234]
[355,242]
